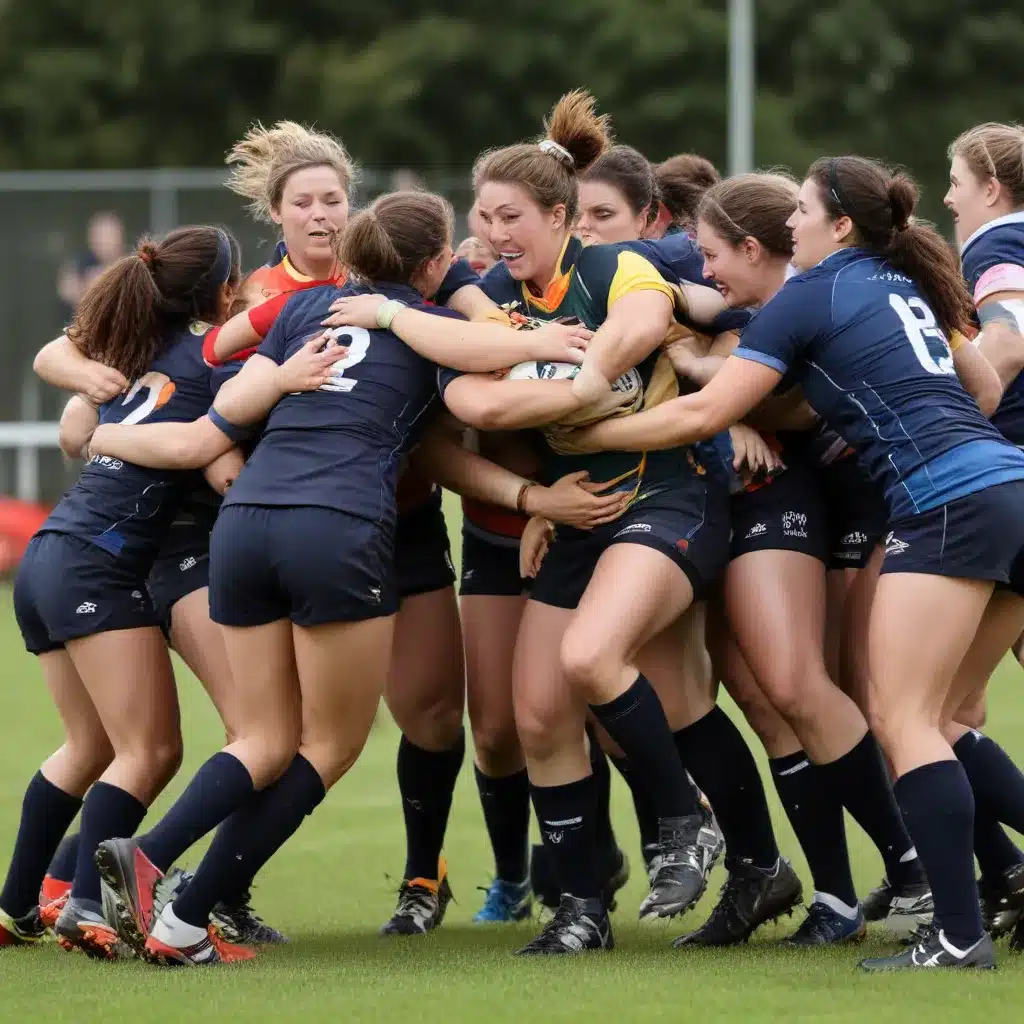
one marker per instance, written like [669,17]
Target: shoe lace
[562,918]
[241,912]
[414,900]
[499,897]
[815,924]
[922,934]
[728,902]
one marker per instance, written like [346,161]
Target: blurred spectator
[479,254]
[105,245]
[404,180]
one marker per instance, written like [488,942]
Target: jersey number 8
[358,341]
[923,333]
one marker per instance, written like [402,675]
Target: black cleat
[616,879]
[750,898]
[577,927]
[421,906]
[545,885]
[687,850]
[904,908]
[824,926]
[238,924]
[1002,900]
[875,906]
[934,951]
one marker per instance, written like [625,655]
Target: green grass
[330,890]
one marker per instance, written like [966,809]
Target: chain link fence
[44,216]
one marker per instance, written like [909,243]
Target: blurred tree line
[134,83]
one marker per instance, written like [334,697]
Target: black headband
[223,264]
[834,186]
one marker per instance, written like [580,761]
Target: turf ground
[330,890]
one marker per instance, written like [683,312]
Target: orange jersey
[277,283]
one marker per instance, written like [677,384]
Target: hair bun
[903,194]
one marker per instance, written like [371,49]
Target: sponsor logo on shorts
[137,595]
[106,462]
[635,528]
[448,561]
[189,563]
[854,538]
[375,595]
[846,556]
[756,531]
[85,608]
[683,544]
[468,575]
[895,546]
[794,524]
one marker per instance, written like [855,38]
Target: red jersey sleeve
[262,317]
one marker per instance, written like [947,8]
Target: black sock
[636,721]
[997,782]
[938,807]
[646,819]
[861,781]
[426,781]
[604,835]
[816,815]
[566,817]
[218,789]
[995,850]
[506,804]
[249,838]
[46,814]
[62,867]
[108,812]
[716,755]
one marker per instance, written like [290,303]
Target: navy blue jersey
[993,260]
[124,508]
[460,274]
[873,363]
[341,446]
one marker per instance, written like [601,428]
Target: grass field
[329,890]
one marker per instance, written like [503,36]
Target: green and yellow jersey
[588,282]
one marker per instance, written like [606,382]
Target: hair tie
[559,152]
[146,254]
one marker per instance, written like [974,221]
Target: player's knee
[592,668]
[90,755]
[497,747]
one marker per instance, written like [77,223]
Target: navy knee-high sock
[46,814]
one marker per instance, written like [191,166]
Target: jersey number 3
[923,333]
[358,341]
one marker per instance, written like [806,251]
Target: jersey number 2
[923,333]
[158,387]
[358,341]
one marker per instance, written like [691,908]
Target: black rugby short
[857,514]
[785,514]
[308,564]
[977,537]
[423,554]
[67,588]
[490,568]
[690,526]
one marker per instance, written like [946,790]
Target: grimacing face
[527,238]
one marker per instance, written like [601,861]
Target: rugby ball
[626,392]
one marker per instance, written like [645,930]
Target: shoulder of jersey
[1001,240]
[499,284]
